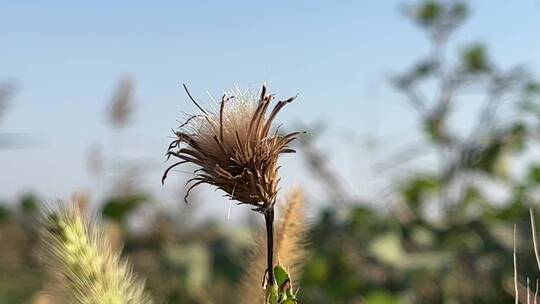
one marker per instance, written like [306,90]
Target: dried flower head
[233,147]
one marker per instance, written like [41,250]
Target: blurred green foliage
[119,207]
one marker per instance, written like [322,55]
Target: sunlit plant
[235,149]
[81,261]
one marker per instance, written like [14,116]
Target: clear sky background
[337,55]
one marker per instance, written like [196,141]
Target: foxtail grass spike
[290,249]
[291,234]
[85,269]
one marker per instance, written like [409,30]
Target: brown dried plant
[7,89]
[290,247]
[233,147]
[122,101]
[523,293]
[256,264]
[291,234]
[235,151]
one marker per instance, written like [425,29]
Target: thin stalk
[535,241]
[516,289]
[269,219]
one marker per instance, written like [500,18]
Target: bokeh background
[422,122]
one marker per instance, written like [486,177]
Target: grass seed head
[84,268]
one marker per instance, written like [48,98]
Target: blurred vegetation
[445,238]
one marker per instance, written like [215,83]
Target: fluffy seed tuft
[291,235]
[80,258]
[233,148]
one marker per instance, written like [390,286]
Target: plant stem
[269,219]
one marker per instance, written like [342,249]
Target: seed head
[83,266]
[234,148]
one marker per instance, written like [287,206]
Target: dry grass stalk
[122,101]
[536,293]
[528,291]
[235,151]
[516,287]
[535,241]
[520,298]
[291,234]
[85,269]
[251,291]
[7,90]
[290,248]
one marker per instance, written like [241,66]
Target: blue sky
[337,55]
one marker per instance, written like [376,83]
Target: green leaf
[4,214]
[272,295]
[429,13]
[29,203]
[534,174]
[281,275]
[381,297]
[118,208]
[475,59]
